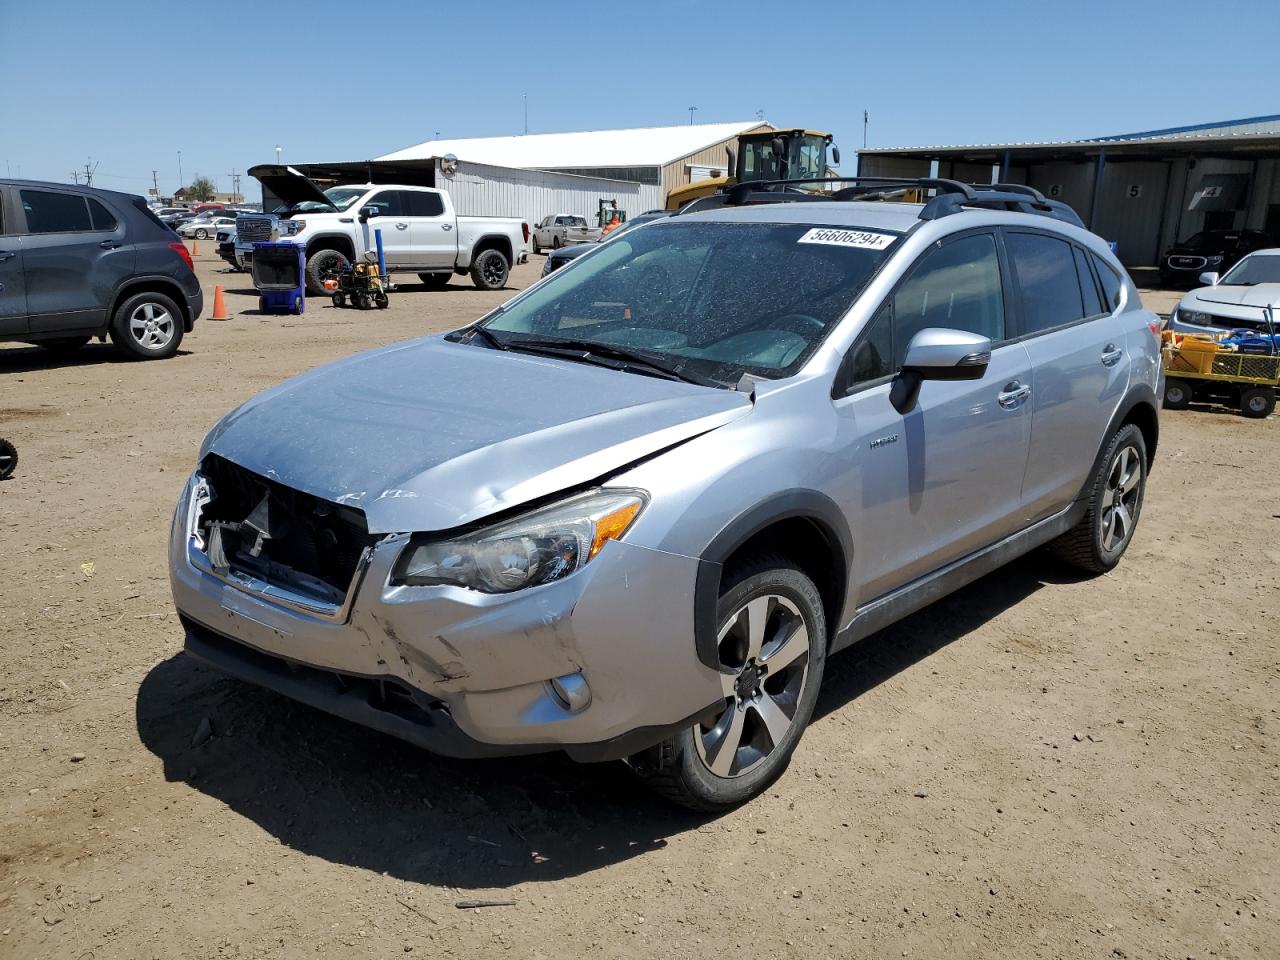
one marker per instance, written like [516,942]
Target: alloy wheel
[764,659]
[151,326]
[1120,498]
[492,269]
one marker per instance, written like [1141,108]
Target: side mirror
[937,353]
[368,213]
[1209,279]
[779,148]
[835,155]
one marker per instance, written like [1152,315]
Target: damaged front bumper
[456,671]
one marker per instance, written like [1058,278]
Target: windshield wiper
[476,330]
[589,351]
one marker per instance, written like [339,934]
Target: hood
[1257,295]
[287,183]
[429,434]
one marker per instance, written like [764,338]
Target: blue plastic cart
[279,273]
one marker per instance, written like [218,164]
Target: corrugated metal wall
[481,190]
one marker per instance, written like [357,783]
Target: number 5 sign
[1133,191]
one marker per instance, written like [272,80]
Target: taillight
[181,250]
[524,227]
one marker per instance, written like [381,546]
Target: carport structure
[1141,190]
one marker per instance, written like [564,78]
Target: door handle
[109,244]
[402,226]
[447,226]
[1111,355]
[6,255]
[1013,394]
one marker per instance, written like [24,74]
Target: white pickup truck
[562,230]
[420,231]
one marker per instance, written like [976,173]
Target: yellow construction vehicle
[765,155]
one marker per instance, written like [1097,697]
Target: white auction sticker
[863,239]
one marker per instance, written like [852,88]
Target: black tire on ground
[129,326]
[381,300]
[339,300]
[555,242]
[676,768]
[8,459]
[1085,545]
[202,234]
[321,264]
[64,344]
[489,270]
[537,247]
[1177,394]
[435,281]
[1258,402]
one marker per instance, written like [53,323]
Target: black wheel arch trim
[1139,394]
[803,504]
[140,283]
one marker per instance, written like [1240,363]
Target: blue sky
[130,83]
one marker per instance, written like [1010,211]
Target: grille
[254,229]
[277,533]
[1187,263]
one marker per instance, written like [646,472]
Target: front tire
[1099,540]
[322,264]
[147,326]
[202,234]
[8,459]
[489,270]
[772,649]
[1258,402]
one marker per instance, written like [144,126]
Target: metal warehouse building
[536,175]
[1141,190]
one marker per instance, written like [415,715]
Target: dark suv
[78,263]
[1209,250]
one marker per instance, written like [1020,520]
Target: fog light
[572,691]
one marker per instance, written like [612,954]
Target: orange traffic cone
[195,248]
[219,306]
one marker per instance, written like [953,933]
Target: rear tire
[771,669]
[202,234]
[63,345]
[1099,540]
[435,281]
[489,270]
[321,264]
[1177,394]
[147,326]
[8,459]
[1258,402]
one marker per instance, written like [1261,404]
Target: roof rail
[952,197]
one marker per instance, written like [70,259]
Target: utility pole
[526,114]
[235,186]
[760,114]
[277,154]
[75,175]
[691,109]
[866,118]
[180,182]
[155,182]
[89,172]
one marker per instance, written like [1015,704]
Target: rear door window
[1046,274]
[1111,285]
[1092,302]
[423,204]
[100,216]
[49,212]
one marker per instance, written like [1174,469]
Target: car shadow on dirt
[31,359]
[334,790]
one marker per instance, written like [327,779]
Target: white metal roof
[637,147]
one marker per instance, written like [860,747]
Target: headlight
[527,551]
[291,228]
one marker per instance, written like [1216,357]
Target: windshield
[1259,268]
[804,159]
[343,197]
[724,298]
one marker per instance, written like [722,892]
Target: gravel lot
[1039,766]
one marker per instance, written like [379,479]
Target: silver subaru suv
[630,513]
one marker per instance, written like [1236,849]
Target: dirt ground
[1094,755]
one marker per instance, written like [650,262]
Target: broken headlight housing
[527,551]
